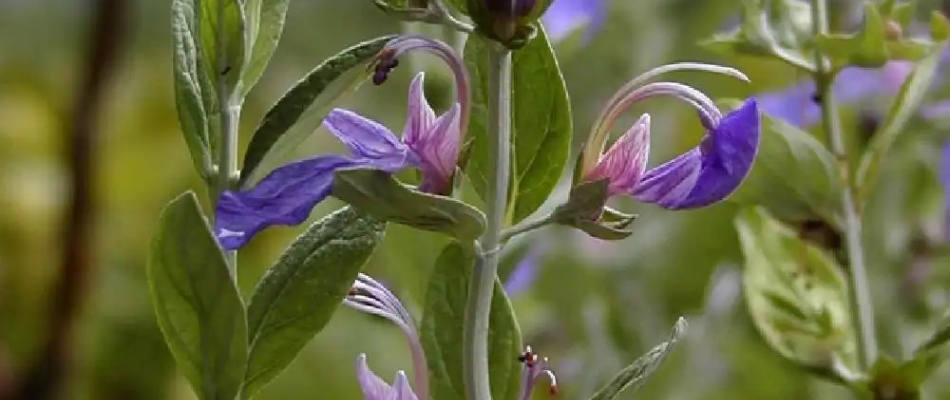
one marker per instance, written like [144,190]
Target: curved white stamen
[371,297]
[689,94]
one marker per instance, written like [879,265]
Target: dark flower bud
[507,21]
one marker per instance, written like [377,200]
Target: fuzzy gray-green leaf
[299,294]
[379,194]
[189,94]
[197,303]
[309,99]
[636,375]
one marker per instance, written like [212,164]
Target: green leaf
[783,32]
[931,353]
[939,27]
[796,295]
[189,90]
[265,23]
[794,175]
[442,335]
[635,375]
[310,100]
[299,294]
[379,194]
[222,41]
[867,48]
[909,99]
[196,301]
[876,42]
[541,123]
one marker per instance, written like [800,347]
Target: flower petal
[420,114]
[710,172]
[368,139]
[438,150]
[626,160]
[372,386]
[283,197]
[401,389]
[670,182]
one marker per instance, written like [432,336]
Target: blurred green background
[596,305]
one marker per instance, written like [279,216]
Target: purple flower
[704,175]
[796,104]
[371,297]
[565,16]
[535,368]
[429,143]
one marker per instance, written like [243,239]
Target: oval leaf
[795,293]
[187,64]
[442,336]
[379,194]
[909,99]
[299,294]
[635,375]
[265,23]
[197,303]
[541,123]
[310,99]
[793,176]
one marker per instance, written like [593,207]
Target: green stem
[229,114]
[525,227]
[860,295]
[483,280]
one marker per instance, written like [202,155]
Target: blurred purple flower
[796,104]
[565,16]
[938,110]
[288,193]
[526,272]
[704,175]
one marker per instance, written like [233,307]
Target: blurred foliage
[596,307]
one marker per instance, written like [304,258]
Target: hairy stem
[861,307]
[483,280]
[227,171]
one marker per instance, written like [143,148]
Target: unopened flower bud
[507,21]
[892,30]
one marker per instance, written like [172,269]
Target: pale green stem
[229,114]
[860,295]
[482,284]
[526,227]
